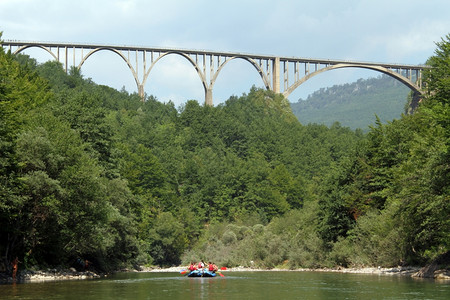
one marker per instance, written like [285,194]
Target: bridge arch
[406,81]
[253,62]
[208,87]
[127,61]
[20,49]
[184,55]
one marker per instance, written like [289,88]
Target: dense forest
[90,172]
[356,104]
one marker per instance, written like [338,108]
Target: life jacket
[200,265]
[211,267]
[191,267]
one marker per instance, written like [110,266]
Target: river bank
[49,275]
[417,272]
[72,274]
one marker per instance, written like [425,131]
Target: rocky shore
[415,272]
[72,274]
[49,275]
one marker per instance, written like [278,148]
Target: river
[234,285]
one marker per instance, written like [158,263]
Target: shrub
[229,237]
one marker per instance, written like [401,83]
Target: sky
[388,31]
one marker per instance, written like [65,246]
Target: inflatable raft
[201,273]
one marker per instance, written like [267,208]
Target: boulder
[438,268]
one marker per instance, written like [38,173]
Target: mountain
[354,105]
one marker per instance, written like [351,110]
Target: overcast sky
[391,31]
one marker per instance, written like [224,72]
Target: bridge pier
[141,92]
[276,75]
[416,97]
[209,96]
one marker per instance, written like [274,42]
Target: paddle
[223,268]
[184,272]
[220,274]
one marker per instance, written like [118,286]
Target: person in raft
[201,265]
[192,267]
[212,267]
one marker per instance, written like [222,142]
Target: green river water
[235,285]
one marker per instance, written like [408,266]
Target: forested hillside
[355,105]
[90,172]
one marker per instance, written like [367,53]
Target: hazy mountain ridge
[354,104]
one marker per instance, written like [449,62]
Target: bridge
[279,74]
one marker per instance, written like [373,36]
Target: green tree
[167,239]
[21,90]
[423,180]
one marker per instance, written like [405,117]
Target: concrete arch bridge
[279,74]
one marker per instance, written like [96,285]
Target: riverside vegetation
[90,172]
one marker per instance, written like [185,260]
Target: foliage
[403,174]
[90,172]
[354,104]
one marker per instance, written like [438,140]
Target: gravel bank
[72,274]
[403,271]
[49,275]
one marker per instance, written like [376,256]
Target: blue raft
[201,273]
